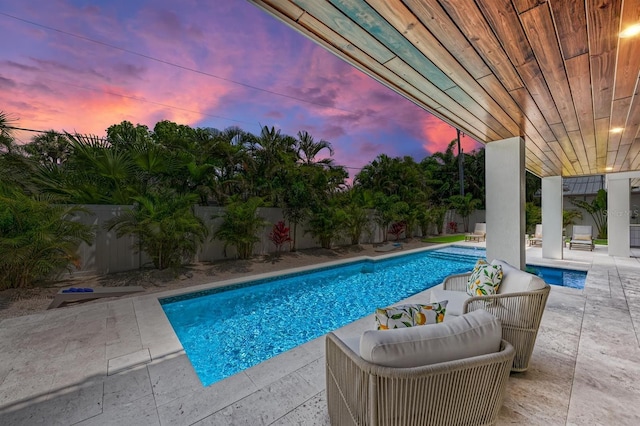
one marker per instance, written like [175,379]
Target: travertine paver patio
[119,362]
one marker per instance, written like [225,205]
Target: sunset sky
[81,66]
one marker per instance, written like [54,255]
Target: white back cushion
[472,334]
[514,280]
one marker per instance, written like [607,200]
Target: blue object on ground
[77,290]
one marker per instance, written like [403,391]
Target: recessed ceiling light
[609,168]
[630,31]
[617,130]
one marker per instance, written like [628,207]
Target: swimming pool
[226,330]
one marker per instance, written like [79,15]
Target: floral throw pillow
[485,279]
[410,315]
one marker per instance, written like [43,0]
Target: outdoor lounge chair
[458,375]
[74,294]
[519,303]
[537,236]
[479,233]
[581,236]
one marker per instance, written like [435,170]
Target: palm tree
[234,167]
[443,167]
[308,149]
[464,206]
[107,171]
[49,147]
[6,137]
[275,156]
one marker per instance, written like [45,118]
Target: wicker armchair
[467,391]
[520,313]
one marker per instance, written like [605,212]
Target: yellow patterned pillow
[485,279]
[410,315]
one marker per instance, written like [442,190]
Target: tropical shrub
[426,218]
[570,216]
[326,224]
[38,239]
[279,235]
[597,208]
[297,200]
[533,216]
[166,227]
[240,226]
[464,205]
[385,212]
[356,221]
[439,214]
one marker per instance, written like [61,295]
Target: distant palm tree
[49,147]
[274,155]
[308,149]
[464,206]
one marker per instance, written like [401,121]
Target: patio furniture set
[581,237]
[448,361]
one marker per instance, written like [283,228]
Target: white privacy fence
[110,254]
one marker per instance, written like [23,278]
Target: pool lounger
[75,294]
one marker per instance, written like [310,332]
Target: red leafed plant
[453,227]
[397,229]
[279,235]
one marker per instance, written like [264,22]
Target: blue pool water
[229,329]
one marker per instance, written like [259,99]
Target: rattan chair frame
[462,392]
[520,314]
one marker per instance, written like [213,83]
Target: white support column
[552,243]
[505,180]
[618,216]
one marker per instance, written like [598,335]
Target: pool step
[456,257]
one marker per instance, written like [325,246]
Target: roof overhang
[554,72]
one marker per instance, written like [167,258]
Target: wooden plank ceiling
[554,72]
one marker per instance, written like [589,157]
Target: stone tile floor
[119,362]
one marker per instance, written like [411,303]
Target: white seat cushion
[473,334]
[455,300]
[514,280]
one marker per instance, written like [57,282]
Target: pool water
[226,330]
[559,276]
